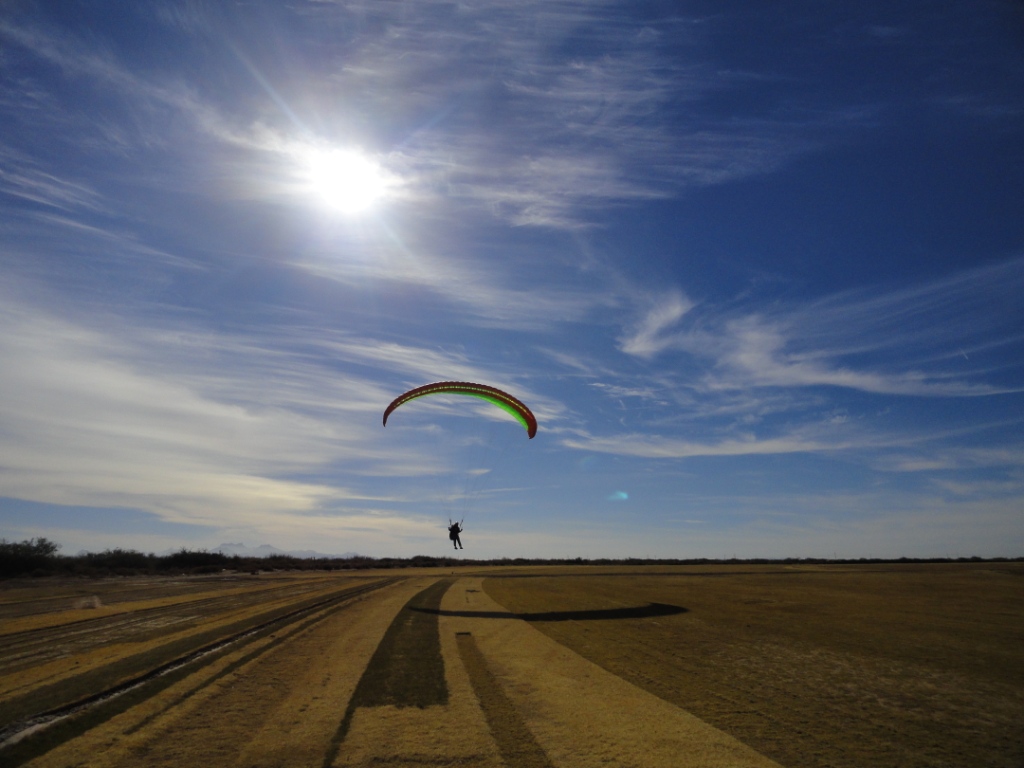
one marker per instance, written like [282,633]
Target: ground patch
[515,742]
[407,669]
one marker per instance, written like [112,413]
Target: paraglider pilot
[454,529]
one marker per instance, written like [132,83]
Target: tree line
[40,557]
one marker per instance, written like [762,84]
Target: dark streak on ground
[515,742]
[407,669]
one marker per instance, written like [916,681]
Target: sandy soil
[580,714]
[58,664]
[902,666]
[654,667]
[453,734]
[281,709]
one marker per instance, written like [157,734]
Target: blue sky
[757,271]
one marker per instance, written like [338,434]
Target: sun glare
[345,181]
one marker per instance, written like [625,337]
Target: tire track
[79,686]
[26,601]
[515,742]
[37,734]
[32,647]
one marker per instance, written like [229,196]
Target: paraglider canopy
[493,395]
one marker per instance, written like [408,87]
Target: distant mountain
[265,550]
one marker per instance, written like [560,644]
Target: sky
[756,269]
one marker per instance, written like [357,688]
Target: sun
[344,180]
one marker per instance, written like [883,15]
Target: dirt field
[880,666]
[910,665]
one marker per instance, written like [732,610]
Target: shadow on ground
[601,614]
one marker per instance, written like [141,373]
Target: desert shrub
[120,560]
[32,556]
[207,569]
[185,559]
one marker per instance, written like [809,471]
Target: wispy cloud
[877,445]
[654,447]
[208,427]
[743,379]
[99,241]
[140,111]
[946,458]
[755,354]
[919,333]
[537,114]
[649,337]
[486,298]
[984,489]
[574,134]
[20,178]
[540,114]
[192,428]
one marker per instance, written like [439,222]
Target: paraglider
[493,395]
[454,529]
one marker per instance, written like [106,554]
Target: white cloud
[655,447]
[500,119]
[484,299]
[947,458]
[983,489]
[483,105]
[901,342]
[21,178]
[755,354]
[214,429]
[194,428]
[648,339]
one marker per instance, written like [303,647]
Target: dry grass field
[888,665]
[906,665]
